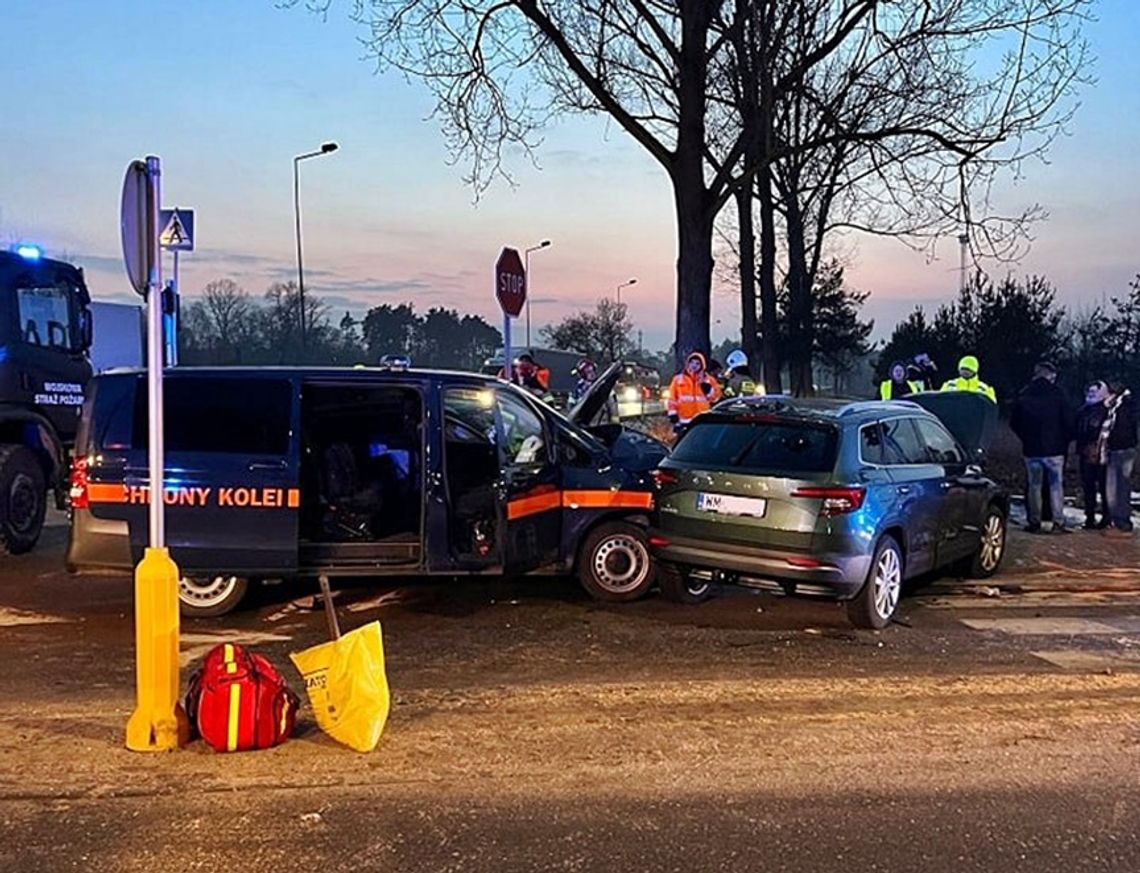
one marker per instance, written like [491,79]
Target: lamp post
[326,148]
[542,245]
[624,285]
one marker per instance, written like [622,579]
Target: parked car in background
[833,498]
[638,392]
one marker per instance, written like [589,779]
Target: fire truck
[45,337]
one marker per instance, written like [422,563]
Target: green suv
[842,499]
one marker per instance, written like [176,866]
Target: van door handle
[275,466]
[904,489]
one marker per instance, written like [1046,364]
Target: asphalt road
[534,730]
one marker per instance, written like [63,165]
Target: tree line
[840,337]
[227,325]
[1011,324]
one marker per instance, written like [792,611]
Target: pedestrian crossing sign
[177,229]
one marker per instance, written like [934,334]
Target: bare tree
[603,334]
[500,69]
[901,127]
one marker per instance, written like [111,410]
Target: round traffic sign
[136,225]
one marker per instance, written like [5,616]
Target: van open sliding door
[362,476]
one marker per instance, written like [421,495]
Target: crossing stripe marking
[1059,626]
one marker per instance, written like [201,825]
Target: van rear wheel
[208,596]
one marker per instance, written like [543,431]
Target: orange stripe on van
[539,500]
[105,492]
[532,505]
[607,499]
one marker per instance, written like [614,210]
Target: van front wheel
[208,596]
[614,564]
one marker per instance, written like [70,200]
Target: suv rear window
[760,446]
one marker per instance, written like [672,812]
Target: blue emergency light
[29,252]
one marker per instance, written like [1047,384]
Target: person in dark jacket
[924,371]
[1043,420]
[898,384]
[1090,417]
[1117,447]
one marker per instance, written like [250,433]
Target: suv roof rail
[876,405]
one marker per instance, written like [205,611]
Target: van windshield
[770,446]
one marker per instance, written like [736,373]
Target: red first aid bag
[238,701]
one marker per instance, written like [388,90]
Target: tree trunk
[769,317]
[769,311]
[690,191]
[801,337]
[749,340]
[694,269]
[750,136]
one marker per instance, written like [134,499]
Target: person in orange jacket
[691,392]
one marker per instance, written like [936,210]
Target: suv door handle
[904,489]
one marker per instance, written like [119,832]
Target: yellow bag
[347,686]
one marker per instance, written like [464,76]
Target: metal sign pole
[158,722]
[507,348]
[156,518]
[172,321]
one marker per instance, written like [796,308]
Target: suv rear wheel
[991,547]
[875,604]
[679,585]
[614,564]
[208,596]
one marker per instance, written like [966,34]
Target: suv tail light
[661,478]
[78,493]
[836,501]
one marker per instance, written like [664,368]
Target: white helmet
[736,359]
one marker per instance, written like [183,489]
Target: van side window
[213,414]
[114,409]
[524,438]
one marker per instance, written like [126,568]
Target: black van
[291,472]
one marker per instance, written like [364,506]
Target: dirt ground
[533,729]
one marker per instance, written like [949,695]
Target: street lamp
[624,285]
[544,244]
[326,148]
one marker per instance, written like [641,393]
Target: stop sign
[510,282]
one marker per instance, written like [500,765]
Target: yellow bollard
[158,723]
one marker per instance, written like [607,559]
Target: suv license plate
[726,504]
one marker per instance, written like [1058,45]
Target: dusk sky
[227,93]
